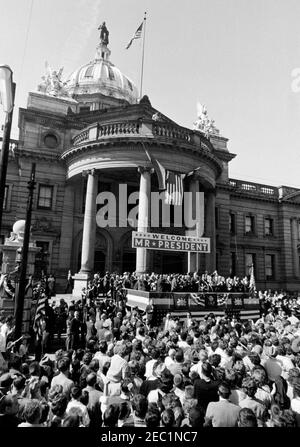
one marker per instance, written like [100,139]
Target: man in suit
[222,413]
[206,388]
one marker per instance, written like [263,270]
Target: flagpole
[143,53]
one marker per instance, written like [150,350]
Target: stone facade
[90,142]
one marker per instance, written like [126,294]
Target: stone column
[189,211]
[210,230]
[294,236]
[142,255]
[66,238]
[89,234]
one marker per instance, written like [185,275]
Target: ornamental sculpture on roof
[52,83]
[204,123]
[104,33]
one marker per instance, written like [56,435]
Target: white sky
[235,56]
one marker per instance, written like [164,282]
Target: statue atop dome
[204,123]
[104,33]
[52,83]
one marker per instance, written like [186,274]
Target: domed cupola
[101,78]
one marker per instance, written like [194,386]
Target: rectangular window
[249,261]
[269,265]
[232,223]
[5,198]
[268,227]
[45,197]
[249,224]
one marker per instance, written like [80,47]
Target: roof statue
[104,33]
[52,83]
[156,116]
[204,123]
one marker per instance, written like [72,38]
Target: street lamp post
[20,296]
[7,97]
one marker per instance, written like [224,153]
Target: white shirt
[293,319]
[287,364]
[82,411]
[4,331]
[198,368]
[295,405]
[168,361]
[149,368]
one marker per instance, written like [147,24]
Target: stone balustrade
[255,188]
[132,129]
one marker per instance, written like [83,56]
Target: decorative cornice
[49,119]
[26,153]
[188,148]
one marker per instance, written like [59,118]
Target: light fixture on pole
[7,98]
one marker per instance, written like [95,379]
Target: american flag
[39,314]
[222,299]
[137,35]
[199,300]
[169,181]
[174,188]
[252,285]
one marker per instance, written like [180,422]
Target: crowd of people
[190,282]
[116,367]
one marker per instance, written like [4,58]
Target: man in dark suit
[206,388]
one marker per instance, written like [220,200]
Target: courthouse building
[91,134]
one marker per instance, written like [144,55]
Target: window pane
[268,227]
[247,224]
[269,261]
[45,196]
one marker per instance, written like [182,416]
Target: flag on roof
[137,35]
